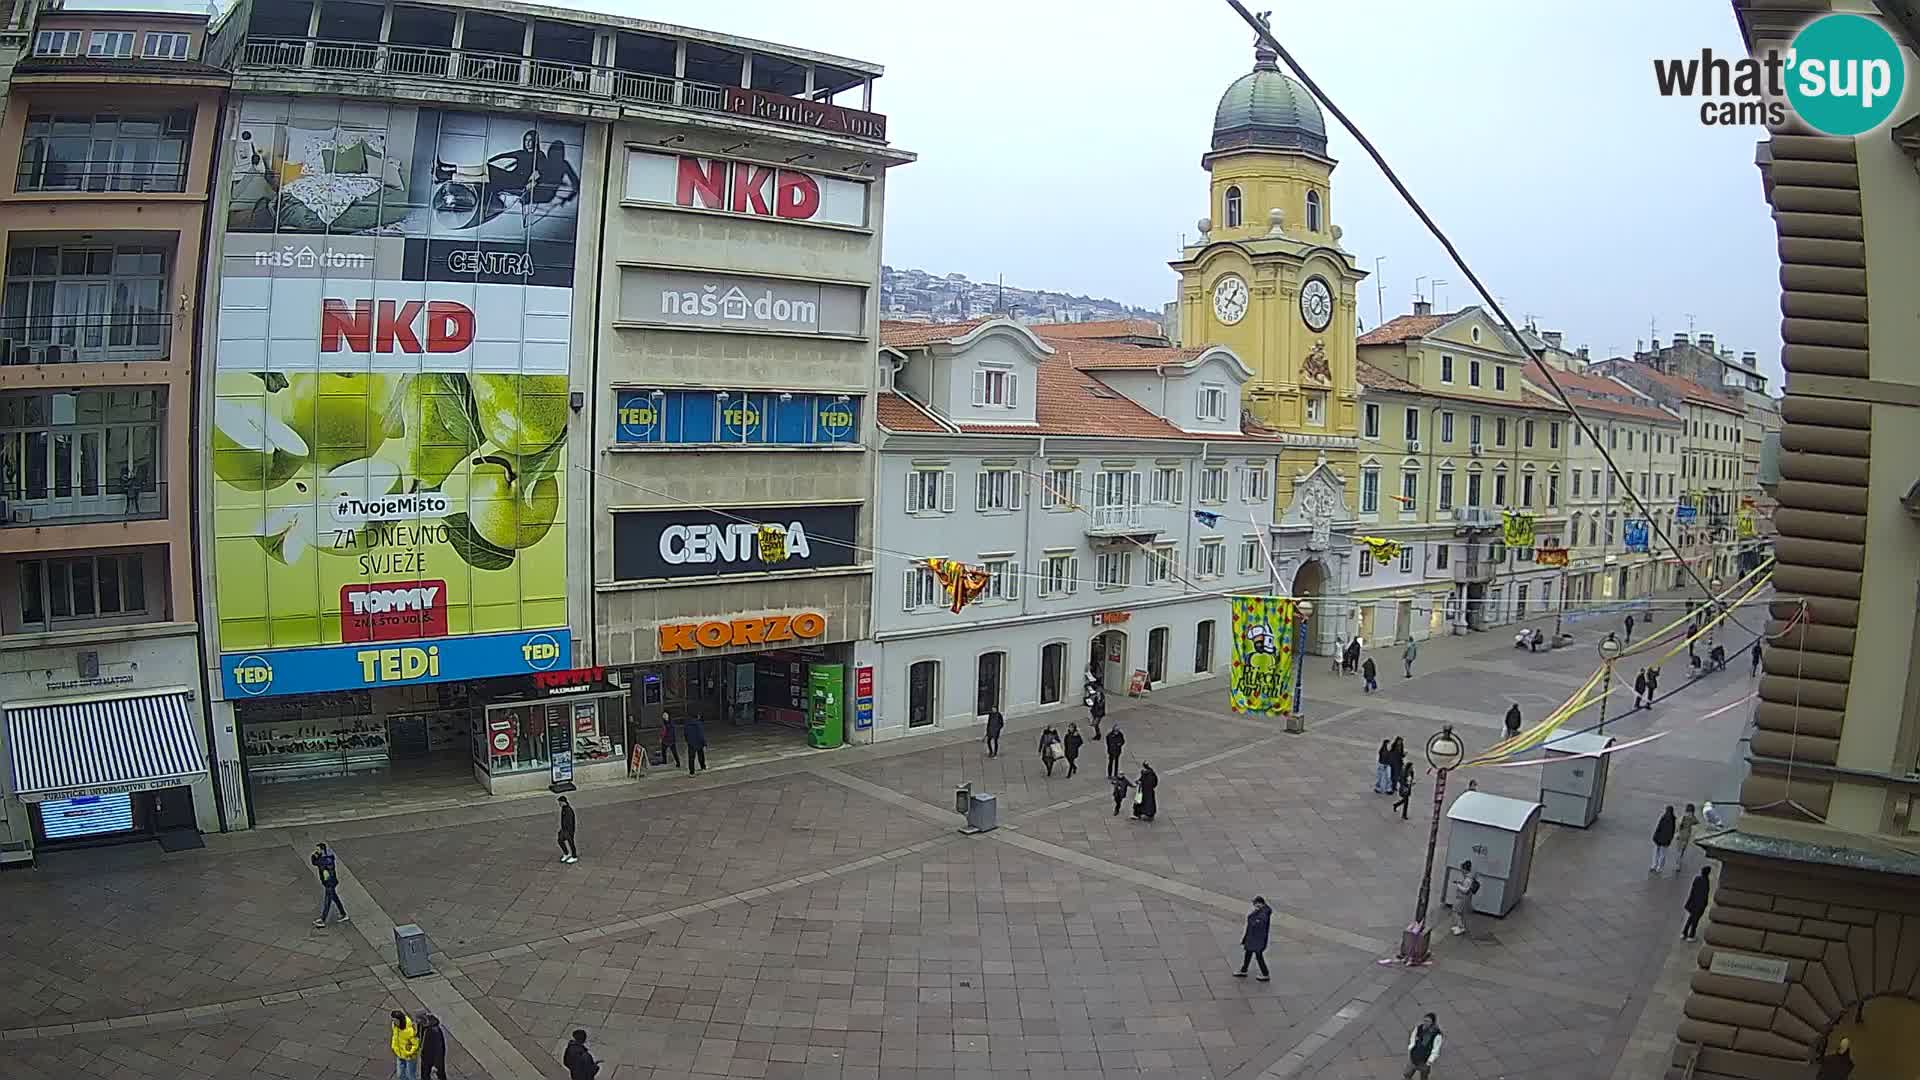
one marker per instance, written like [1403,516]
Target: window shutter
[946,491]
[981,481]
[1079,488]
[1133,489]
[1013,389]
[1073,575]
[1016,485]
[907,590]
[1013,581]
[979,386]
[913,492]
[1180,486]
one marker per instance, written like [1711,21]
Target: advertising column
[389,428]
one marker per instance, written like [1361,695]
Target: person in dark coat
[1254,941]
[1049,748]
[328,868]
[1097,711]
[1629,628]
[1513,719]
[1115,743]
[1371,674]
[433,1047]
[568,853]
[996,723]
[1696,904]
[1383,768]
[1405,788]
[1071,744]
[1149,803]
[1121,786]
[1350,660]
[1639,688]
[1756,658]
[1653,685]
[669,745]
[1837,1065]
[580,1064]
[696,736]
[1662,840]
[1396,763]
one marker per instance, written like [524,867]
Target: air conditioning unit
[20,515]
[1474,449]
[1413,446]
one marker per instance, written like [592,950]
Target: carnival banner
[1684,513]
[1745,524]
[1550,556]
[1384,551]
[1516,530]
[1263,655]
[1636,534]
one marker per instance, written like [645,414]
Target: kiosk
[1497,834]
[1574,783]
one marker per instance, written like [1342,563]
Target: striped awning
[99,746]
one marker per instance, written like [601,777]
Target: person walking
[1148,803]
[1352,664]
[405,1042]
[1662,839]
[1653,685]
[1423,1048]
[1756,659]
[433,1047]
[1838,1064]
[1465,887]
[1696,904]
[1072,744]
[996,723]
[328,868]
[696,735]
[1371,674]
[1121,785]
[1098,710]
[578,1060]
[1383,768]
[1254,940]
[669,746]
[1639,688]
[1049,748]
[1513,719]
[1396,763]
[1116,742]
[568,852]
[1408,655]
[1682,838]
[1405,787]
[1629,623]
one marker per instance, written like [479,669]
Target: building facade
[107,148]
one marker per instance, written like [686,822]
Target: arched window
[1313,211]
[1233,208]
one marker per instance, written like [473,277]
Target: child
[1121,785]
[1406,791]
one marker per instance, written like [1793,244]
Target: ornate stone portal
[1316,531]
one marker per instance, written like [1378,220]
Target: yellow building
[1267,278]
[1462,465]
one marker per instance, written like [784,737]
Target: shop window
[1203,647]
[923,693]
[1157,640]
[990,691]
[1053,672]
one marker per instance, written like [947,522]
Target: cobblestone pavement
[820,917]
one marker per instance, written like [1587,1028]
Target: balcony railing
[80,501]
[1115,519]
[79,339]
[100,176]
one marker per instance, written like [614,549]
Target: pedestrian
[1121,785]
[1407,657]
[1049,748]
[1513,719]
[996,723]
[1372,675]
[1072,744]
[1383,768]
[1406,792]
[1653,685]
[405,1041]
[579,1062]
[1682,837]
[1693,632]
[568,852]
[1639,688]
[696,735]
[1837,1065]
[1396,762]
[1465,888]
[433,1047]
[1254,941]
[1696,904]
[1756,658]
[669,746]
[1662,839]
[328,868]
[1098,710]
[1629,628]
[1116,741]
[1423,1048]
[1146,803]
[1353,655]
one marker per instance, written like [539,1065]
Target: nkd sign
[737,302]
[748,188]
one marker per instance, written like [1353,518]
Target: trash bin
[962,798]
[1497,834]
[410,944]
[983,813]
[1572,788]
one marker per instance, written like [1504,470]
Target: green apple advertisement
[388,436]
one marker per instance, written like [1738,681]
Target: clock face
[1316,303]
[1230,299]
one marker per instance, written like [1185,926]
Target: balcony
[79,339]
[110,502]
[1475,517]
[99,176]
[1473,564]
[1120,521]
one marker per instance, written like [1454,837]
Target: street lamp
[1609,651]
[1444,753]
[1302,612]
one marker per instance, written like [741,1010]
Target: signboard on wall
[863,697]
[818,115]
[692,542]
[735,418]
[699,299]
[270,672]
[746,188]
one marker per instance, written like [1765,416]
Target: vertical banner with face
[1263,655]
[388,437]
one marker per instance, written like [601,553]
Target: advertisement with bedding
[389,428]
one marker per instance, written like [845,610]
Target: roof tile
[907,335]
[1402,327]
[1100,328]
[897,412]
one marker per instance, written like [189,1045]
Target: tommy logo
[393,611]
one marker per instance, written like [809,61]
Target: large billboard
[389,428]
[1264,668]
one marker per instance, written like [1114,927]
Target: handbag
[1139,796]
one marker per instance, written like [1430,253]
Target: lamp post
[1609,651]
[1302,612]
[1444,753]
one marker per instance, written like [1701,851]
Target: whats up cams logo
[1842,75]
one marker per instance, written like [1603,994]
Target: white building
[1072,470]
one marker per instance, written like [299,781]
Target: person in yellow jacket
[406,1047]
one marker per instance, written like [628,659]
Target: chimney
[1583,353]
[1679,340]
[1706,342]
[1423,307]
[1747,359]
[1553,338]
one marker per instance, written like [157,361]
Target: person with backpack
[1254,940]
[579,1062]
[1116,741]
[1662,840]
[996,723]
[328,868]
[1423,1048]
[433,1047]
[1465,888]
[1071,744]
[1406,792]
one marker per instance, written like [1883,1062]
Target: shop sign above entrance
[1111,618]
[569,680]
[355,667]
[746,188]
[727,633]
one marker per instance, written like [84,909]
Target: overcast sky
[1060,145]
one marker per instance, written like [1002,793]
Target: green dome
[1265,109]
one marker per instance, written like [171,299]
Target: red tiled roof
[1585,392]
[906,335]
[1069,402]
[1379,379]
[1095,355]
[1402,327]
[898,412]
[1102,328]
[1678,386]
[1375,378]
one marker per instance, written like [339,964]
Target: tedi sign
[1843,75]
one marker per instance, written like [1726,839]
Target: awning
[101,746]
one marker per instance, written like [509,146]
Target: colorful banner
[1263,655]
[1684,513]
[1744,523]
[388,436]
[1634,532]
[1550,556]
[1516,529]
[1384,551]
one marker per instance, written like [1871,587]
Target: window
[1526,490]
[1594,475]
[1610,518]
[1446,491]
[1474,335]
[1499,489]
[1210,559]
[1366,562]
[1003,577]
[1160,564]
[1553,436]
[1473,373]
[1576,483]
[1313,211]
[86,303]
[1059,574]
[57,43]
[158,46]
[1446,427]
[1442,554]
[1062,491]
[996,387]
[1553,489]
[1574,532]
[1169,485]
[923,685]
[1053,672]
[66,454]
[1316,408]
[929,491]
[1371,418]
[1643,483]
[1613,438]
[1253,483]
[1473,430]
[1251,560]
[1593,530]
[1446,368]
[1412,425]
[1499,431]
[1576,434]
[922,591]
[1406,558]
[1213,484]
[997,489]
[1499,376]
[1213,402]
[81,587]
[1203,647]
[1526,433]
[112,44]
[1113,569]
[1232,214]
[1613,484]
[1409,491]
[1369,491]
[1473,489]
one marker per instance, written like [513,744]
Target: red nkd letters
[741,188]
[390,326]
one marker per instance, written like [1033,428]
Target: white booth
[1497,834]
[1573,785]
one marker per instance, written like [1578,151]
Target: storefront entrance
[1108,650]
[753,706]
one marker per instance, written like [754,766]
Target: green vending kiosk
[826,714]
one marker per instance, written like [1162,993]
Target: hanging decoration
[1684,512]
[773,544]
[963,583]
[1745,524]
[1516,529]
[1550,556]
[1263,654]
[1206,517]
[1636,534]
[1384,550]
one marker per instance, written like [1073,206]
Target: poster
[1516,529]
[389,432]
[1263,655]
